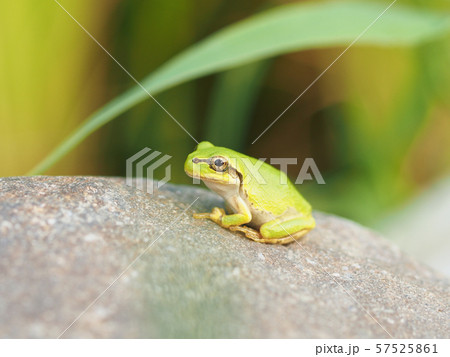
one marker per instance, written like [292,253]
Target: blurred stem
[234,96]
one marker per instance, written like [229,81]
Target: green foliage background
[377,123]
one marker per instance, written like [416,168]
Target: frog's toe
[201,215]
[249,232]
[214,215]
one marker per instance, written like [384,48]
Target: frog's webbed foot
[253,234]
[215,215]
[249,232]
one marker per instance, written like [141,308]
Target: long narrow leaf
[280,30]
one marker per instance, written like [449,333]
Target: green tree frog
[261,201]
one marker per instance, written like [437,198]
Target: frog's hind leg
[288,239]
[254,235]
[249,232]
[284,231]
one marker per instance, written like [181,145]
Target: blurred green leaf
[280,30]
[385,152]
[233,97]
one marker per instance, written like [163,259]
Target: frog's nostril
[195,160]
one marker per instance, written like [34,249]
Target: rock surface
[92,257]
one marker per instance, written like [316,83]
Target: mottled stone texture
[65,240]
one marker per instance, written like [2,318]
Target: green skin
[263,203]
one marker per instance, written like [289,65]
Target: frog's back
[277,193]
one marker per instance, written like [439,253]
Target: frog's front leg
[241,216]
[215,215]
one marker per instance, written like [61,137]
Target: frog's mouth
[190,174]
[231,171]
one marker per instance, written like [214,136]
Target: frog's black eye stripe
[218,163]
[196,160]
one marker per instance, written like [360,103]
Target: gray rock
[92,257]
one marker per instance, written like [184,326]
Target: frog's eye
[219,163]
